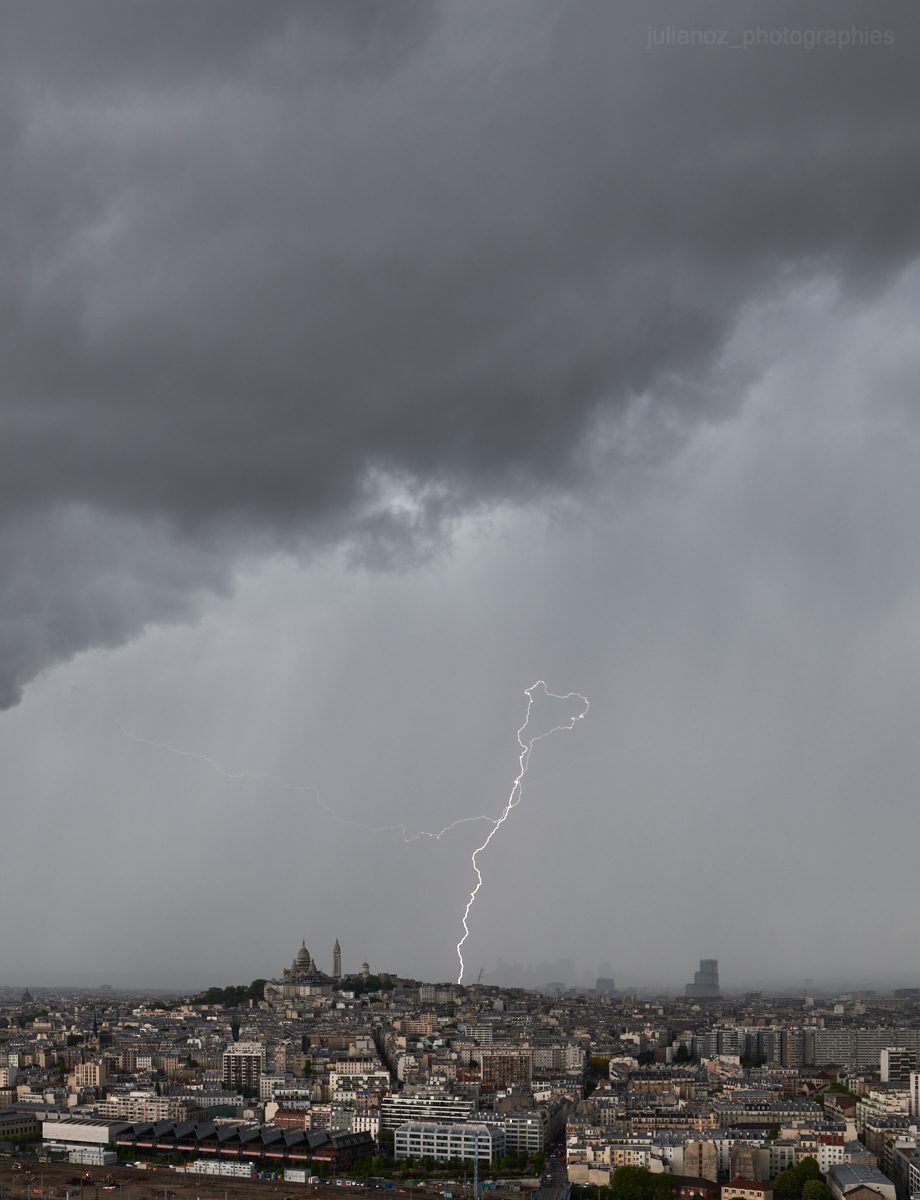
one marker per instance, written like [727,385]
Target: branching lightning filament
[285,785]
[516,789]
[526,747]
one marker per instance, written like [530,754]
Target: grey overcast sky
[363,363]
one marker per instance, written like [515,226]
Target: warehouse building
[15,1125]
[71,1131]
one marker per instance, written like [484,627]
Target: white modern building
[446,1143]
[80,1131]
[232,1170]
[897,1062]
[396,1110]
[89,1156]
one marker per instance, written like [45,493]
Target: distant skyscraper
[705,984]
[336,960]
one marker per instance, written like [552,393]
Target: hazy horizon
[543,975]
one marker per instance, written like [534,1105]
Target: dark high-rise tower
[705,984]
[336,960]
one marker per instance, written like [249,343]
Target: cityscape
[328,1077]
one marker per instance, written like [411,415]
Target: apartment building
[897,1062]
[425,1107]
[89,1075]
[243,1064]
[146,1106]
[503,1067]
[525,1132]
[905,1169]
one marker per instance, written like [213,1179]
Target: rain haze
[365,363]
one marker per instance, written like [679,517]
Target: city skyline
[291,1078]
[539,976]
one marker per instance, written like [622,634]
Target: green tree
[790,1184]
[362,1168]
[808,1169]
[750,1061]
[586,1191]
[816,1189]
[786,1185]
[256,990]
[682,1055]
[637,1183]
[233,996]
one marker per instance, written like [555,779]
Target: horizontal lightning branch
[526,747]
[302,788]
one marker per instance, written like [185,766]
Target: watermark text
[757,37]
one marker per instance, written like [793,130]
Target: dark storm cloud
[80,578]
[266,265]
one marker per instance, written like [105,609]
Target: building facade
[399,1109]
[705,985]
[896,1063]
[243,1064]
[506,1067]
[448,1143]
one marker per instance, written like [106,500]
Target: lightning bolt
[516,790]
[286,785]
